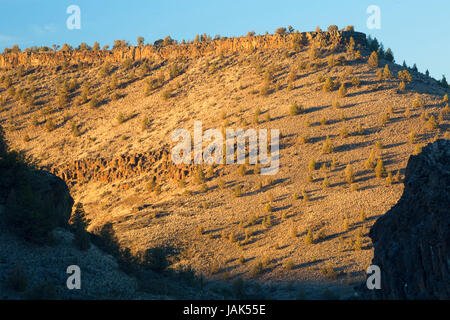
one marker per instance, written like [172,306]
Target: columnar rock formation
[412,240]
[155,163]
[189,50]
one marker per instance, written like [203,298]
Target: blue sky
[416,31]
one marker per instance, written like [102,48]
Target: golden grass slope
[299,225]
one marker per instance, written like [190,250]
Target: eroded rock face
[188,50]
[43,267]
[54,191]
[156,163]
[412,240]
[35,201]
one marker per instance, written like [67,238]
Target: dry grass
[228,94]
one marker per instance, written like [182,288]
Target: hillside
[102,121]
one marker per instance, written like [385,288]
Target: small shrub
[257,269]
[303,139]
[331,61]
[384,119]
[237,191]
[155,259]
[174,71]
[199,176]
[387,74]
[312,165]
[127,64]
[200,231]
[94,103]
[204,187]
[342,90]
[79,223]
[309,237]
[349,175]
[344,132]
[75,129]
[333,163]
[412,137]
[305,195]
[307,121]
[397,176]
[325,182]
[121,118]
[26,138]
[389,179]
[150,186]
[328,85]
[327,146]
[336,104]
[373,60]
[356,81]
[166,94]
[407,113]
[322,235]
[289,264]
[404,76]
[295,109]
[417,149]
[380,171]
[432,124]
[50,125]
[346,224]
[357,244]
[362,216]
[370,163]
[417,102]
[360,129]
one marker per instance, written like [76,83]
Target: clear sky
[416,31]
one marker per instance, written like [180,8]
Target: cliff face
[412,240]
[157,163]
[34,203]
[190,50]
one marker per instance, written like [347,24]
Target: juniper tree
[349,175]
[380,171]
[80,223]
[373,60]
[387,74]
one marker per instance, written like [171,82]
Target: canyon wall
[412,240]
[188,50]
[156,164]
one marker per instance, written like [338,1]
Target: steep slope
[36,246]
[110,151]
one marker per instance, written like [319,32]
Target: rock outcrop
[412,240]
[188,50]
[122,167]
[34,203]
